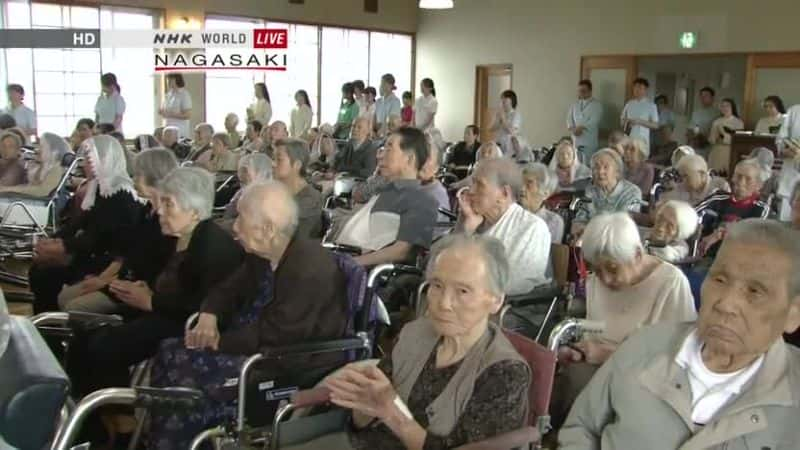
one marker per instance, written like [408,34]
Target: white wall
[544,41]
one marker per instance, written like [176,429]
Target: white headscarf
[111,174]
[679,153]
[578,171]
[498,153]
[51,153]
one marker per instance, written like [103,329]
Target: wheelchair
[260,389]
[290,428]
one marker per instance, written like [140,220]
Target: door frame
[480,87]
[629,63]
[755,61]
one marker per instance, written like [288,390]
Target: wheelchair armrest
[313,348]
[342,248]
[92,321]
[540,294]
[311,397]
[513,439]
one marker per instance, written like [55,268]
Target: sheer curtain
[301,72]
[390,53]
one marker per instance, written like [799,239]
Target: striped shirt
[724,209]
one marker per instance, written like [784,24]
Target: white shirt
[300,121]
[790,172]
[710,390]
[527,242]
[24,116]
[177,101]
[503,137]
[586,113]
[262,111]
[107,108]
[642,109]
[425,110]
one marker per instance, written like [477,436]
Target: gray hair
[262,188]
[501,172]
[222,137]
[547,179]
[685,216]
[750,163]
[611,153]
[765,159]
[170,129]
[154,165]
[492,251]
[259,163]
[296,150]
[612,236]
[205,126]
[193,189]
[772,234]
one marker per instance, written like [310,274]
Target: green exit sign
[688,39]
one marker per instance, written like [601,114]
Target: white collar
[690,359]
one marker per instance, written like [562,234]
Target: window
[62,85]
[345,57]
[320,60]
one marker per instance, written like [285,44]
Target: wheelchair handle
[572,328]
[50,318]
[117,396]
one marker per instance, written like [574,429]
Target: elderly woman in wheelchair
[204,256]
[453,377]
[675,223]
[48,169]
[109,214]
[627,290]
[289,290]
[12,169]
[146,258]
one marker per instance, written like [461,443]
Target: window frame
[214,15]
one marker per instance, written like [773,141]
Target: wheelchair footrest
[170,397]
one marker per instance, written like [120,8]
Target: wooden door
[770,74]
[490,82]
[612,77]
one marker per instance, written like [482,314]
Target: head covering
[497,153]
[51,154]
[765,159]
[578,170]
[679,153]
[110,170]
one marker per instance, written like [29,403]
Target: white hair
[685,216]
[679,153]
[612,236]
[692,163]
[611,153]
[258,190]
[171,129]
[493,252]
[547,179]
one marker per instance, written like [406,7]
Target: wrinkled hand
[568,355]
[709,241]
[205,334]
[596,352]
[471,219]
[364,389]
[91,284]
[134,293]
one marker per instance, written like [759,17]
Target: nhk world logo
[206,50]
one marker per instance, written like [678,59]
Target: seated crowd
[203,282]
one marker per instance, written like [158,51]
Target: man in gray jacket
[728,381]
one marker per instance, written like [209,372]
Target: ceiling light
[435,4]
